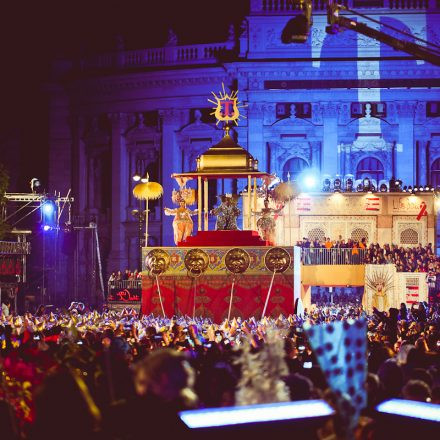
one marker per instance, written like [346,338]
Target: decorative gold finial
[226,106]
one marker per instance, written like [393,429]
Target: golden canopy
[226,156]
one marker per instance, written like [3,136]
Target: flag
[341,349]
[303,204]
[372,203]
[412,294]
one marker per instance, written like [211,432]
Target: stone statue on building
[119,43]
[227,213]
[231,33]
[293,111]
[171,39]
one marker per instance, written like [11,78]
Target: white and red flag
[303,204]
[372,203]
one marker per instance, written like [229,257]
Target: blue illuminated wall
[337,103]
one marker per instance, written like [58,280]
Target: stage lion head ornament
[196,262]
[237,260]
[157,261]
[277,260]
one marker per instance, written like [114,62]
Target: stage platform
[224,238]
[210,292]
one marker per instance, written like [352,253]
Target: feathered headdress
[186,195]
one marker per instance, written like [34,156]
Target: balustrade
[332,256]
[14,248]
[172,55]
[289,7]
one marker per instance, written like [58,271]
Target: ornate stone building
[340,104]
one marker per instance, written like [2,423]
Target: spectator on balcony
[112,278]
[6,306]
[126,275]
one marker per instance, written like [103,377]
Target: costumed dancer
[266,223]
[227,213]
[182,223]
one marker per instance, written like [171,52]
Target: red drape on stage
[213,294]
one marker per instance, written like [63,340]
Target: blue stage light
[310,182]
[410,408]
[46,228]
[271,412]
[48,208]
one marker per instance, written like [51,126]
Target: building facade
[341,104]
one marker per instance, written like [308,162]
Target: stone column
[171,163]
[316,154]
[405,154]
[330,154]
[422,162]
[118,255]
[256,144]
[79,165]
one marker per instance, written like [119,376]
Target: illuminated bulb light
[46,228]
[310,181]
[411,408]
[272,412]
[48,208]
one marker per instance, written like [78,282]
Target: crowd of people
[407,259]
[127,275]
[84,374]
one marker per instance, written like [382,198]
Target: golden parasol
[147,191]
[285,192]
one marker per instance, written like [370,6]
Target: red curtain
[212,295]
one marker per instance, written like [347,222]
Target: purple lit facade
[328,104]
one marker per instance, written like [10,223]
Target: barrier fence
[332,256]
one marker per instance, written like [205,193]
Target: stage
[208,294]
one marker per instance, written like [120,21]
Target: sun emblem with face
[157,261]
[237,260]
[196,262]
[277,260]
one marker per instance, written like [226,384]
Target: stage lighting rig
[297,29]
[366,184]
[326,185]
[35,185]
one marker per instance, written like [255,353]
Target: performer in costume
[266,222]
[182,223]
[227,213]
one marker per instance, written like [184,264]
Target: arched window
[409,236]
[294,166]
[435,173]
[358,234]
[316,234]
[370,167]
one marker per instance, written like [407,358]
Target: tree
[4,183]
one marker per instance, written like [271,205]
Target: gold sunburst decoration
[227,106]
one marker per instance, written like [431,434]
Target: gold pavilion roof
[225,159]
[226,156]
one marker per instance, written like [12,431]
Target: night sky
[33,33]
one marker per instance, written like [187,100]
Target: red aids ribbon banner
[422,212]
